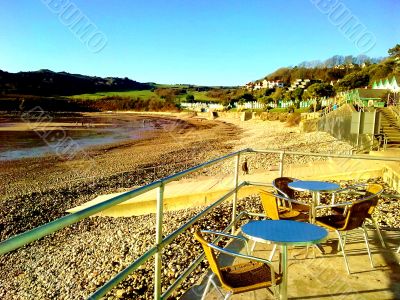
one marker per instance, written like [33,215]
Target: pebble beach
[72,263]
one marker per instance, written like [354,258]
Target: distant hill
[48,83]
[338,60]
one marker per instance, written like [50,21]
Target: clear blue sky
[208,42]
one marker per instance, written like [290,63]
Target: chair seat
[332,221]
[338,210]
[248,276]
[285,213]
[301,207]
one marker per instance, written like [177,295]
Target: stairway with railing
[390,126]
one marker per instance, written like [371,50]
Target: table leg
[283,288]
[316,199]
[312,210]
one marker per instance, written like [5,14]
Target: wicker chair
[274,211]
[354,217]
[370,189]
[255,274]
[280,184]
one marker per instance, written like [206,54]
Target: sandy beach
[37,190]
[43,188]
[73,262]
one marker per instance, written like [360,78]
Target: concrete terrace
[316,276]
[321,276]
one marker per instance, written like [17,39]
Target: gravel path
[73,262]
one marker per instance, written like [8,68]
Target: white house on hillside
[299,83]
[265,84]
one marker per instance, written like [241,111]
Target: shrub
[291,109]
[293,119]
[264,116]
[273,116]
[189,98]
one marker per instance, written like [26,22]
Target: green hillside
[348,74]
[145,94]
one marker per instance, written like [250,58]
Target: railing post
[159,237]
[281,163]
[235,194]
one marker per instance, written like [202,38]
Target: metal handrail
[22,239]
[37,233]
[396,112]
[365,157]
[167,240]
[41,231]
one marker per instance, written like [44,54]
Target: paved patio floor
[324,276]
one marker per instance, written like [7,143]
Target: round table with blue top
[315,188]
[284,233]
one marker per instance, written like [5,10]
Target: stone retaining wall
[392,177]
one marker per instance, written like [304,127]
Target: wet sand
[38,190]
[39,134]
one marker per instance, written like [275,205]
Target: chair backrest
[269,204]
[281,186]
[211,257]
[363,208]
[357,213]
[374,188]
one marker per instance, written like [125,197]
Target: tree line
[21,103]
[49,83]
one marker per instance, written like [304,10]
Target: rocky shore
[38,190]
[73,262]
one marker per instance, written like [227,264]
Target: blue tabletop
[313,186]
[284,232]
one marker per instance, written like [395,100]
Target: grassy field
[142,94]
[201,96]
[145,94]
[302,110]
[282,110]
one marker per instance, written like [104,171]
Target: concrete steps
[390,127]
